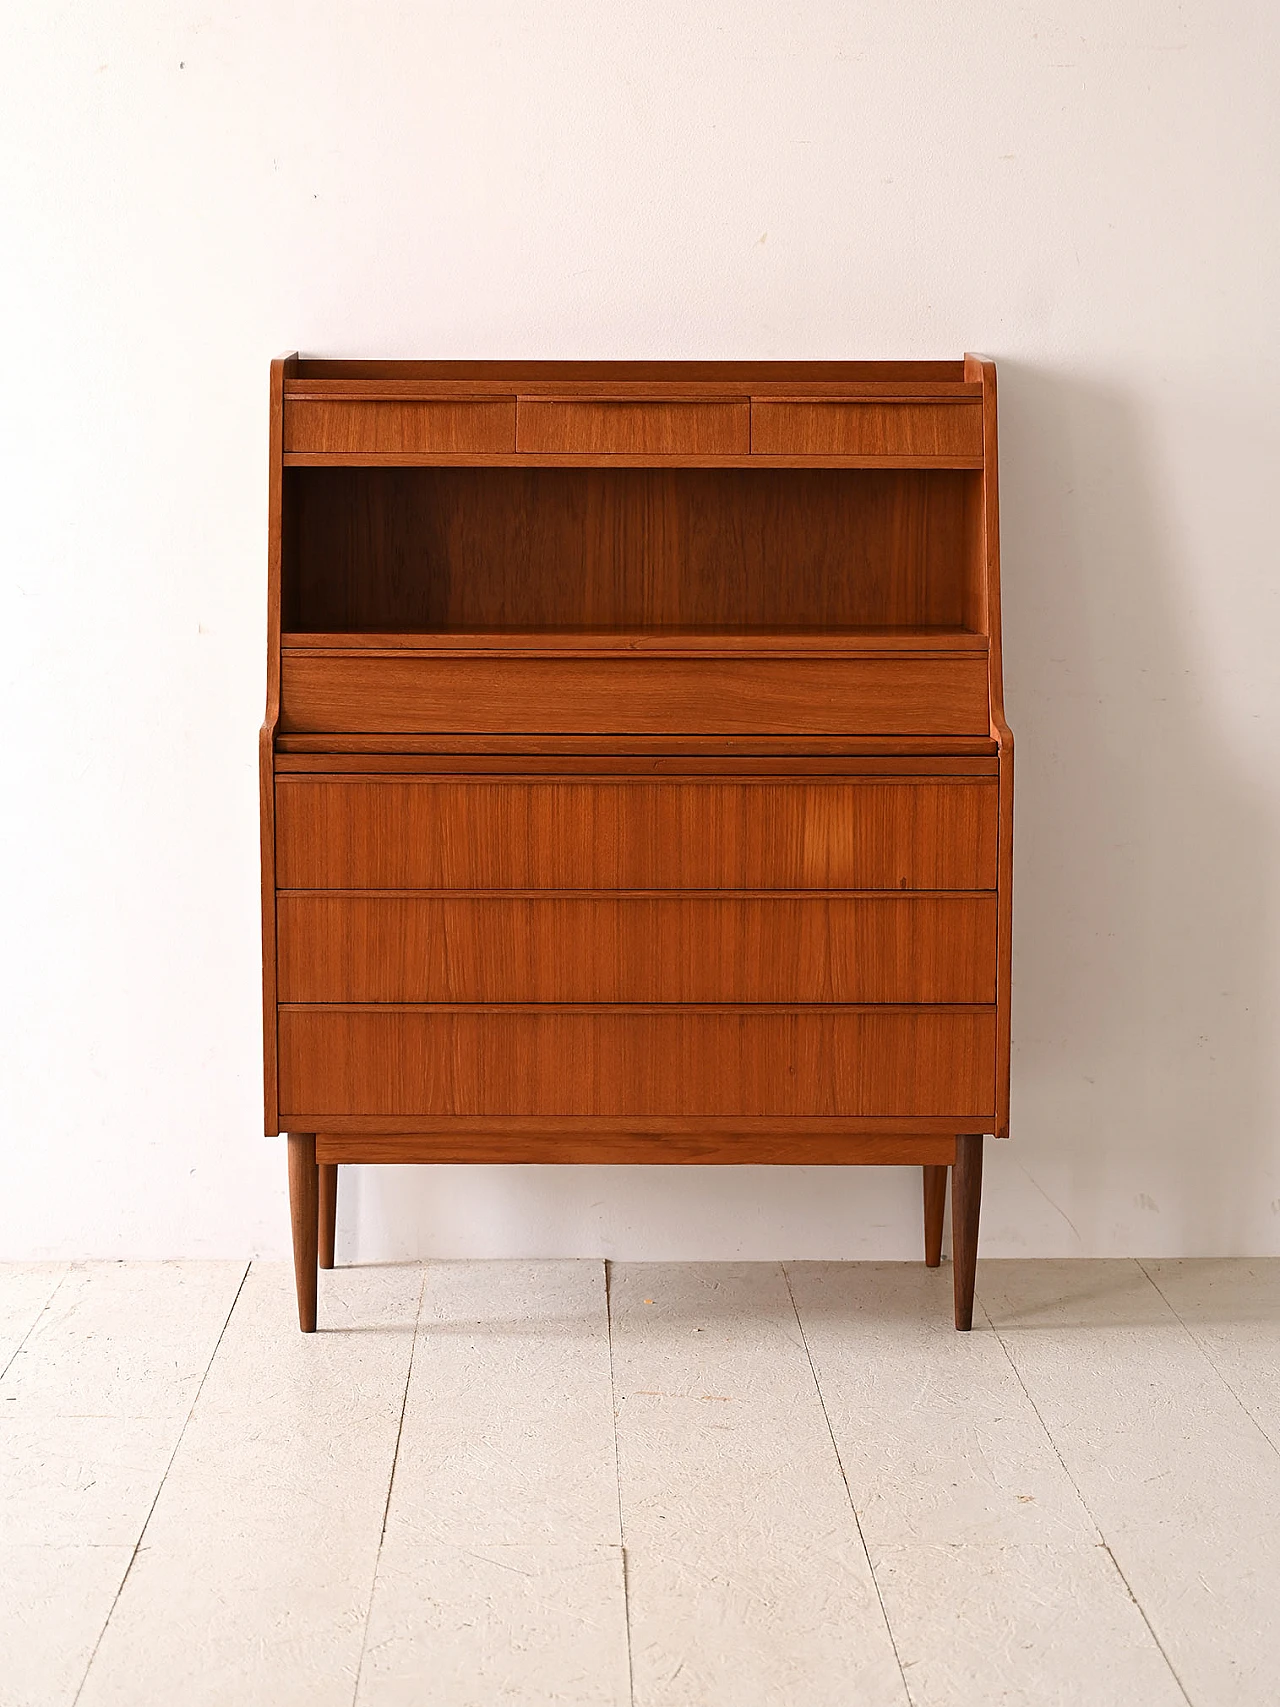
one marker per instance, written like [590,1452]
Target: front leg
[304,1211]
[966,1201]
[328,1172]
[935,1209]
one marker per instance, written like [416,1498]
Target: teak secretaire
[635,779]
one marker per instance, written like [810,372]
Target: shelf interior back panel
[420,549]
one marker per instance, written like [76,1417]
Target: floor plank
[54,1602]
[500,1578]
[748,1582]
[992,1573]
[1117,1433]
[1181,1481]
[92,1407]
[25,1289]
[1231,1308]
[253,1579]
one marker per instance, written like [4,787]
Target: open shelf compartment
[647,557]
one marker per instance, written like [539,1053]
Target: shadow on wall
[1142,1011]
[1141,995]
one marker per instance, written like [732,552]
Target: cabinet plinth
[635,780]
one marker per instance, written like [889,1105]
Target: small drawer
[635,1062]
[906,694]
[936,431]
[371,427]
[628,833]
[603,427]
[636,948]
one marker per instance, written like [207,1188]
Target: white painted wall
[1087,191]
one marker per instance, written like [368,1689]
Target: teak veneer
[636,786]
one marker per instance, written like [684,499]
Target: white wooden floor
[499,1484]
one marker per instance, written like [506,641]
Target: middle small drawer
[636,948]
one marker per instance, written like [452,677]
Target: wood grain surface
[625,548]
[786,1147]
[909,694]
[807,428]
[336,378]
[281,368]
[608,426]
[980,369]
[921,753]
[635,755]
[625,833]
[365,425]
[636,948]
[636,1061]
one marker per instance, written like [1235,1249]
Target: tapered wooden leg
[935,1209]
[304,1211]
[328,1172]
[966,1201]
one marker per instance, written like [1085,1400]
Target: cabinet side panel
[280,369]
[1004,942]
[977,368]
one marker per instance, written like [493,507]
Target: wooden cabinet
[635,779]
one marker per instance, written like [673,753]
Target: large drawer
[906,694]
[518,833]
[636,948]
[880,1062]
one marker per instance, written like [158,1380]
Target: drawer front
[886,1063]
[605,428]
[866,429]
[638,948]
[367,428]
[904,695]
[423,833]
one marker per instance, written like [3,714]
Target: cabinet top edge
[323,367]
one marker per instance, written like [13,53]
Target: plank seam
[853,1510]
[1103,1543]
[1205,1353]
[41,1313]
[617,1475]
[391,1479]
[177,1446]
